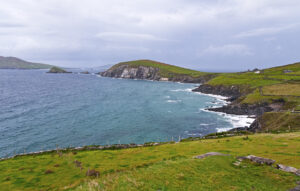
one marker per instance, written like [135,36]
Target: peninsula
[16,63]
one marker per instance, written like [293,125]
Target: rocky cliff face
[149,73]
[140,72]
[244,109]
[237,108]
[232,91]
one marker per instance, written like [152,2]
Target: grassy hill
[166,167]
[16,63]
[268,86]
[165,70]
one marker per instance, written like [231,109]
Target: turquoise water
[39,111]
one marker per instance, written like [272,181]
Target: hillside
[166,167]
[258,92]
[153,70]
[16,63]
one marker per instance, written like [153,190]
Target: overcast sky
[219,35]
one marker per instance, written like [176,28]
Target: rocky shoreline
[236,108]
[232,92]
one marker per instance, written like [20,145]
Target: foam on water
[80,110]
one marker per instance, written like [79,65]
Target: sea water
[40,111]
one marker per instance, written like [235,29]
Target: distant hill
[153,70]
[16,63]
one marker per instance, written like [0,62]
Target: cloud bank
[209,35]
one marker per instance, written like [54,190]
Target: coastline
[218,97]
[238,121]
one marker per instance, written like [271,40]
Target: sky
[209,35]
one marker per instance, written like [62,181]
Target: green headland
[16,63]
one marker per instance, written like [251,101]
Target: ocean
[42,111]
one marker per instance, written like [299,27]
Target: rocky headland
[152,70]
[245,90]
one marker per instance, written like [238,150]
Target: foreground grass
[168,166]
[214,173]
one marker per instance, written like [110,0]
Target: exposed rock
[85,72]
[149,73]
[124,71]
[255,126]
[237,163]
[259,160]
[297,188]
[236,108]
[287,168]
[244,109]
[228,91]
[210,154]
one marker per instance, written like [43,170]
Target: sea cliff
[152,70]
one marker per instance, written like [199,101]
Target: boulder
[287,168]
[259,160]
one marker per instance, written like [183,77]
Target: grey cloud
[199,34]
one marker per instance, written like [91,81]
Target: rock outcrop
[150,73]
[124,71]
[232,91]
[244,109]
[238,108]
[259,160]
[288,169]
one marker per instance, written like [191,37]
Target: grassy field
[164,167]
[166,70]
[267,86]
[286,89]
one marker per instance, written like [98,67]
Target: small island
[85,72]
[57,70]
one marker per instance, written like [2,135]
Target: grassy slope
[166,70]
[272,84]
[165,167]
[15,63]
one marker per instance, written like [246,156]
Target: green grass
[274,83]
[286,89]
[280,121]
[161,165]
[165,70]
[269,76]
[214,173]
